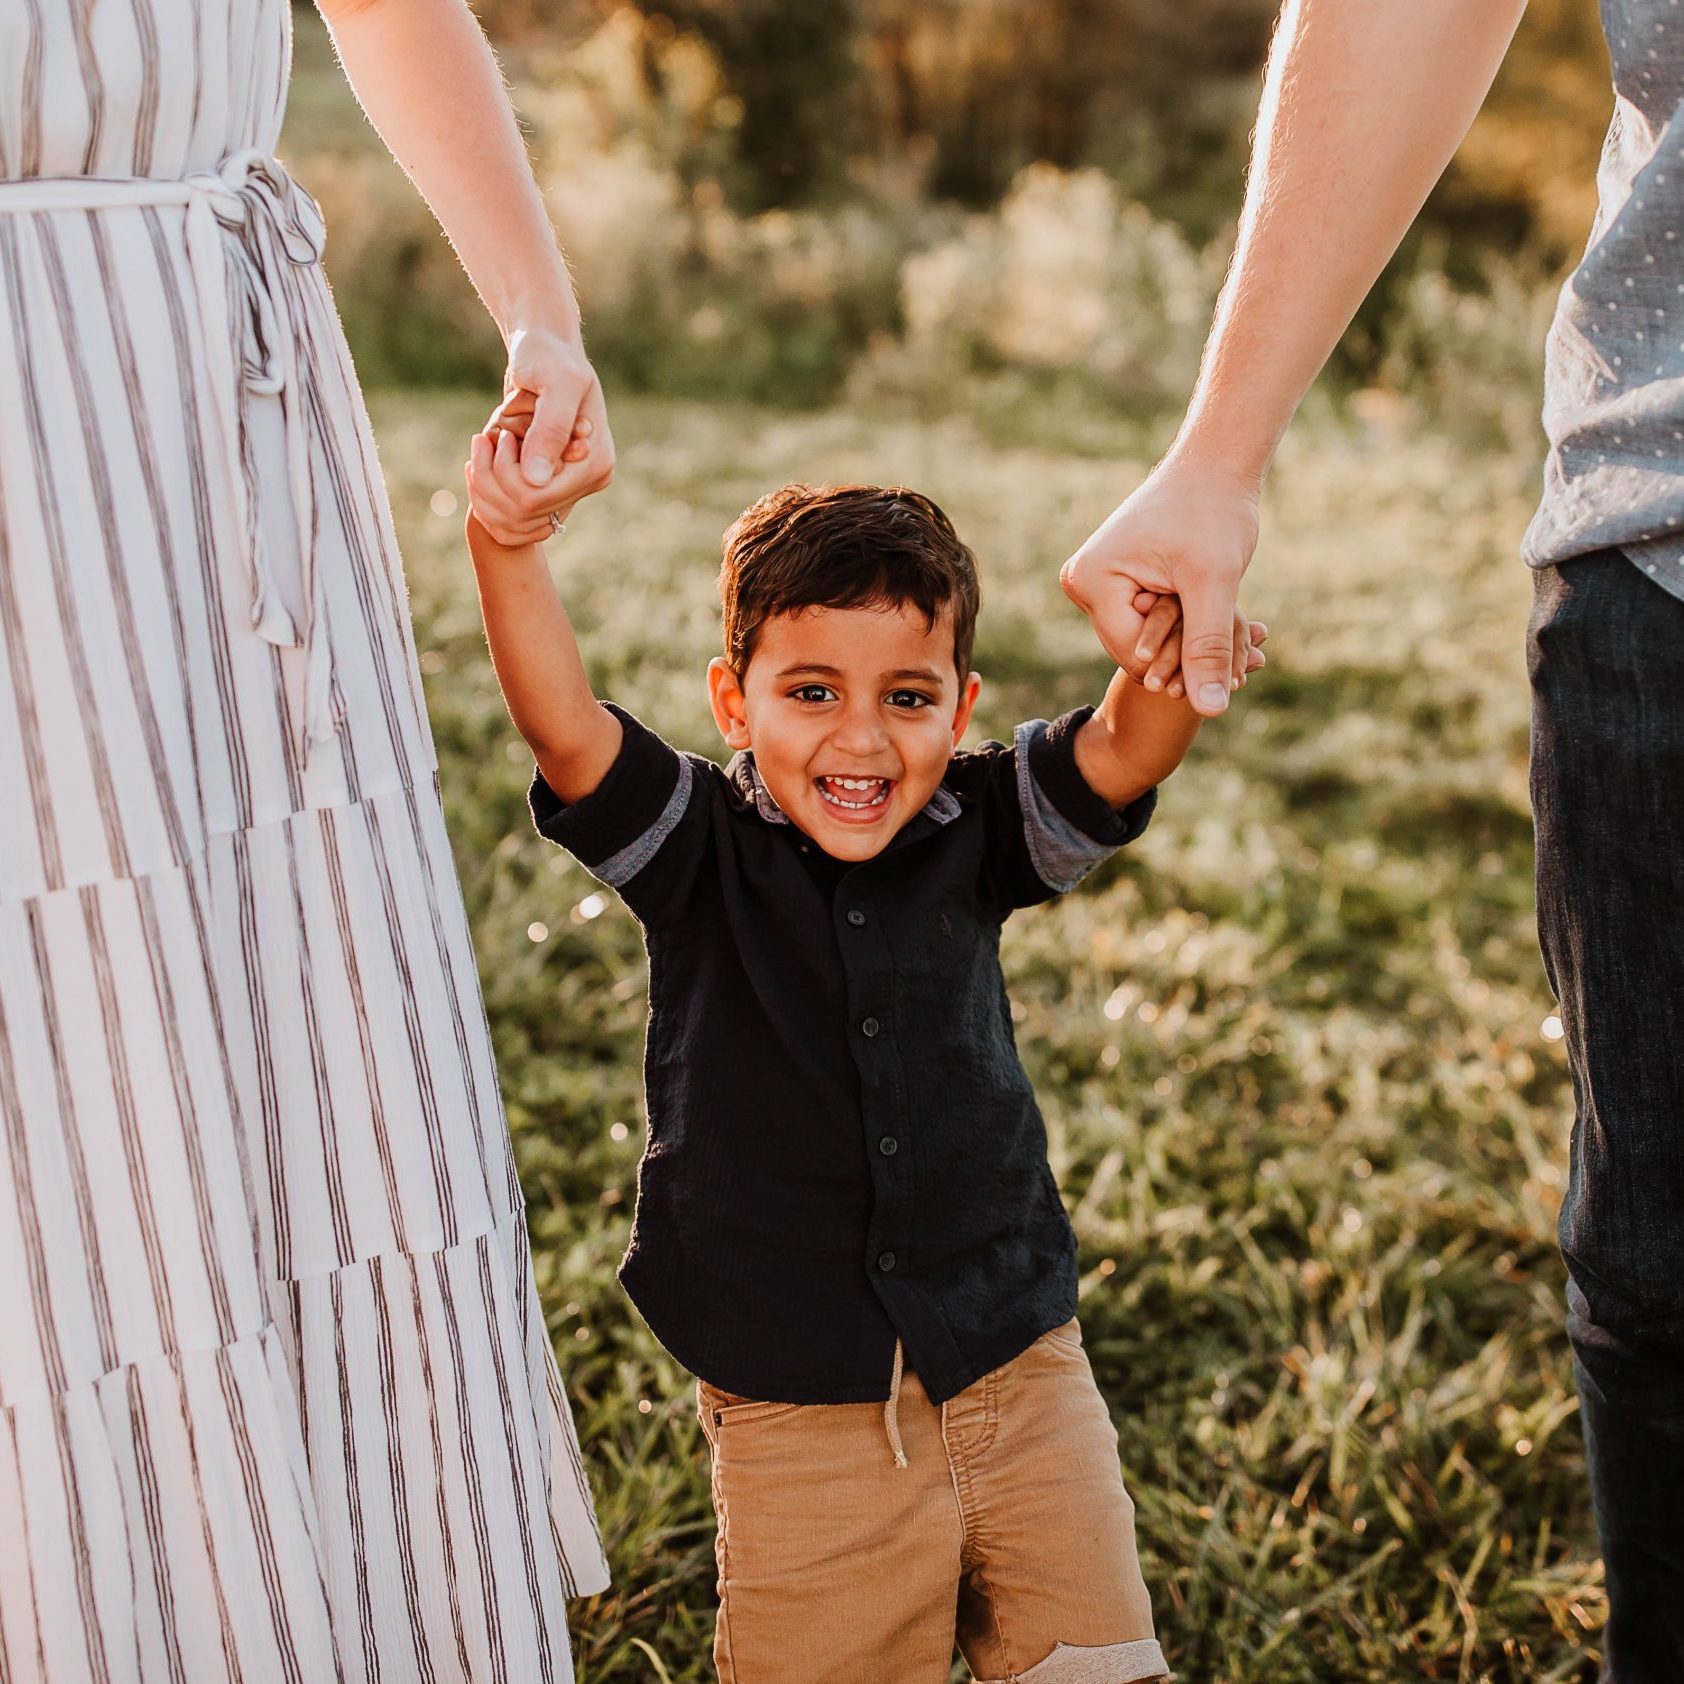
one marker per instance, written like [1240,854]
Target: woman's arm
[1364,103]
[425,76]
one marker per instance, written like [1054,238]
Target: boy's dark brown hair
[845,546]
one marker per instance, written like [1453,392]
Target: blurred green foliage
[790,70]
[774,201]
[1160,93]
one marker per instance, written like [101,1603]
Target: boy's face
[852,714]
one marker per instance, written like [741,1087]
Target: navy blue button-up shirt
[843,1146]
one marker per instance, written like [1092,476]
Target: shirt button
[870,1027]
[888,1146]
[856,917]
[886,1262]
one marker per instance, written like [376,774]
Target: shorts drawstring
[891,1410]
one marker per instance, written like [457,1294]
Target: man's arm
[572,736]
[1364,103]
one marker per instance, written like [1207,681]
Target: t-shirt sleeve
[1048,826]
[642,830]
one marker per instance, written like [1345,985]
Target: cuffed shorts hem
[1110,1663]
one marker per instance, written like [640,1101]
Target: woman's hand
[498,493]
[519,510]
[550,380]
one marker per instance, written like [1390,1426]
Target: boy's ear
[968,693]
[730,708]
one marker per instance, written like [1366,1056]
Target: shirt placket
[873,1037]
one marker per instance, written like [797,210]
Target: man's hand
[1156,664]
[1188,532]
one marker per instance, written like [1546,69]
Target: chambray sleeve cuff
[1068,826]
[616,830]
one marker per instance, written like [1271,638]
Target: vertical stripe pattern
[277,1401]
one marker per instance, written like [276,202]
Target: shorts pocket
[719,1410]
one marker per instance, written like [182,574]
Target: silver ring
[557,524]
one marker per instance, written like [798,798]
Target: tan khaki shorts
[1008,1530]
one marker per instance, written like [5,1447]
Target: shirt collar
[943,806]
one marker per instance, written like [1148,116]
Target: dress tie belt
[247,222]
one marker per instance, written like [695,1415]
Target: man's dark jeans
[1606,651]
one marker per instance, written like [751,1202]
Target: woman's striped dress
[277,1403]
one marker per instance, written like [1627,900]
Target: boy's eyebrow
[927,674]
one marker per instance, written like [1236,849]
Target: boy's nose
[859,733]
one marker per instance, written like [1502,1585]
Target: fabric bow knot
[248,224]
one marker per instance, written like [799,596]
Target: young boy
[846,1225]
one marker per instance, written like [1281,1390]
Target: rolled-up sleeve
[623,831]
[1068,827]
[1047,827]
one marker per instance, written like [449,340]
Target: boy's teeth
[869,790]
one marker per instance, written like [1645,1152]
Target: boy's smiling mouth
[855,797]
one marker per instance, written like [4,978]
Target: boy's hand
[1145,725]
[1156,656]
[497,493]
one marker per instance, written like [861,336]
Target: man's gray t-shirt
[1614,365]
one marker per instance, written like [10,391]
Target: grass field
[1292,1049]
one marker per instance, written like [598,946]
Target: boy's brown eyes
[895,698]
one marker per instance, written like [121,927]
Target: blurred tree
[955,96]
[1528,170]
[978,88]
[791,64]
[521,20]
[1156,91]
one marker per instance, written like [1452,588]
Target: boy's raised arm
[1138,735]
[572,736]
[1133,740]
